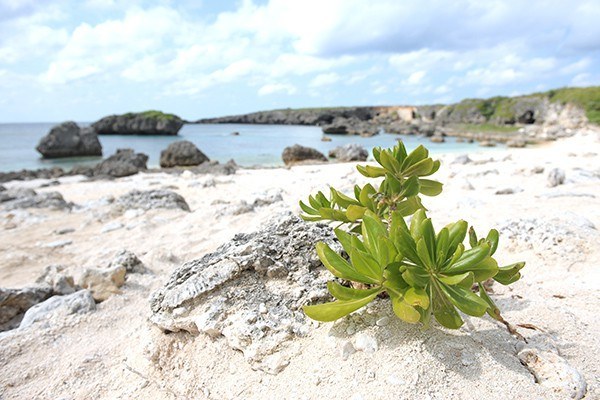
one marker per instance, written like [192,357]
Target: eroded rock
[124,162]
[15,302]
[151,199]
[182,153]
[250,290]
[13,199]
[349,152]
[103,283]
[56,308]
[69,140]
[129,261]
[57,278]
[298,154]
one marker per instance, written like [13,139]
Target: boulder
[437,139]
[69,140]
[151,199]
[517,143]
[297,154]
[182,153]
[15,302]
[250,290]
[144,123]
[349,152]
[556,176]
[103,282]
[124,162]
[58,307]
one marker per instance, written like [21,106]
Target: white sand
[115,352]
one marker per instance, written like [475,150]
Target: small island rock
[144,123]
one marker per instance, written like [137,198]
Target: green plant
[424,273]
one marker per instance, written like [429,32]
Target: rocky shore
[180,284]
[519,120]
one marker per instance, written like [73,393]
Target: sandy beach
[116,352]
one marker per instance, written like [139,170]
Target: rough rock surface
[15,302]
[129,261]
[12,199]
[151,199]
[57,307]
[103,282]
[145,123]
[182,153]
[69,140]
[124,162]
[542,358]
[349,152]
[297,154]
[250,290]
[56,277]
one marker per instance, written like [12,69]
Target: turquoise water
[256,144]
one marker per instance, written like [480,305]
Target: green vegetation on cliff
[588,98]
[154,114]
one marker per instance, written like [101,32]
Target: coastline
[552,228]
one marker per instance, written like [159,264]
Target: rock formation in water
[69,140]
[183,153]
[144,123]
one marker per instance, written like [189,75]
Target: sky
[84,59]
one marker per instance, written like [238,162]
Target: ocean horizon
[256,145]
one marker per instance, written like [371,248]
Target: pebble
[58,243]
[556,177]
[347,350]
[383,321]
[366,343]
[262,308]
[111,226]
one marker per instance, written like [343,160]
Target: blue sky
[83,59]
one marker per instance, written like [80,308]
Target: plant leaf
[338,266]
[429,187]
[509,274]
[355,212]
[347,293]
[465,300]
[443,309]
[328,312]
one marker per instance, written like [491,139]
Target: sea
[256,145]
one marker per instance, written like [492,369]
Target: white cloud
[324,80]
[416,78]
[273,88]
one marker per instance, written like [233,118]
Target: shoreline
[114,350]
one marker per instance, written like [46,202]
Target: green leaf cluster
[399,190]
[425,273]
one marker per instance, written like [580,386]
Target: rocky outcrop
[308,116]
[182,153]
[349,152]
[27,174]
[69,140]
[144,123]
[250,290]
[151,199]
[12,199]
[124,162]
[297,154]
